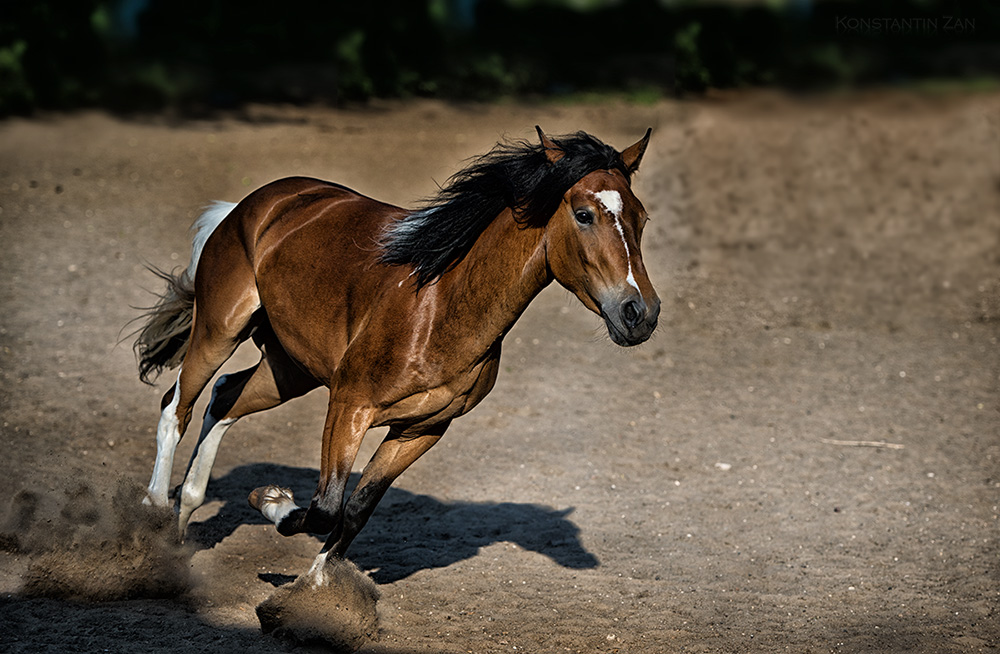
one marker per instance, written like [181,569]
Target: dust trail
[96,546]
[334,608]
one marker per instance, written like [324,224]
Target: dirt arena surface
[830,275]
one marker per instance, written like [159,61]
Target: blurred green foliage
[200,55]
[691,70]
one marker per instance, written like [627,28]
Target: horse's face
[593,250]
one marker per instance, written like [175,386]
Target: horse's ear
[552,151]
[632,155]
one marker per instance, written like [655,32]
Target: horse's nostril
[631,313]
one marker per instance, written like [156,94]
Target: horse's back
[268,214]
[314,248]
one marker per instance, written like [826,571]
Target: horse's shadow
[407,532]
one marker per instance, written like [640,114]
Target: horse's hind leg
[168,434]
[274,380]
[200,364]
[224,311]
[213,427]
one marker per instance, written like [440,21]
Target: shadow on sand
[408,532]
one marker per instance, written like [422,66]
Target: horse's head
[592,246]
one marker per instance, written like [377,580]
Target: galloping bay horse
[400,313]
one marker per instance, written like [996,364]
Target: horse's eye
[584,216]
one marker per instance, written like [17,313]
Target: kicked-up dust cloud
[96,545]
[332,606]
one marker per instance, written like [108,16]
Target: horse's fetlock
[317,522]
[292,523]
[193,497]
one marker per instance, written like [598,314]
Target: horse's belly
[430,407]
[445,402]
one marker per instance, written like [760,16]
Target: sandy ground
[830,271]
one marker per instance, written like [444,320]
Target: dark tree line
[205,54]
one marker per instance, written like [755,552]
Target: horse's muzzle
[631,320]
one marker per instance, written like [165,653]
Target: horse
[400,313]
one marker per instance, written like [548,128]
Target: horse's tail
[163,338]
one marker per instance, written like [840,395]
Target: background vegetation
[206,54]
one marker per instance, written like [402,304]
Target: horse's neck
[502,273]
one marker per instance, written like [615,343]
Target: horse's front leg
[398,450]
[345,428]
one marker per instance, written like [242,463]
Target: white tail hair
[163,338]
[206,223]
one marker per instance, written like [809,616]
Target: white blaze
[612,202]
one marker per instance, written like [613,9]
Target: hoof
[272,501]
[333,607]
[151,500]
[261,497]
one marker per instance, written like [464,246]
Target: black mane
[515,175]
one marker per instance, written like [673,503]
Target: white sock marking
[167,437]
[278,511]
[277,505]
[200,468]
[612,202]
[193,490]
[316,570]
